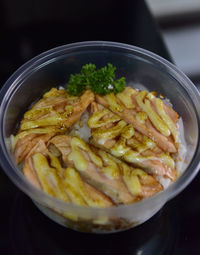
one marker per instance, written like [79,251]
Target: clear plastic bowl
[139,66]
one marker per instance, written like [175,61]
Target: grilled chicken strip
[132,126]
[109,132]
[28,168]
[148,114]
[25,144]
[44,171]
[51,115]
[56,108]
[107,173]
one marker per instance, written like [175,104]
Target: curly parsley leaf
[119,85]
[101,81]
[76,84]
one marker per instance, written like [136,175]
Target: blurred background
[179,22]
[30,27]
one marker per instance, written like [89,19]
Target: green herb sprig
[101,81]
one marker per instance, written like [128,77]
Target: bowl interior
[141,69]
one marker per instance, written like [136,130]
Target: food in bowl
[99,146]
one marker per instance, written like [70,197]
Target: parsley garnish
[100,81]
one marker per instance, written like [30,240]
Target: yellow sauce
[167,119]
[79,161]
[113,104]
[37,112]
[153,116]
[96,120]
[131,180]
[120,148]
[73,178]
[55,119]
[68,109]
[55,93]
[109,133]
[77,157]
[128,131]
[48,177]
[125,97]
[134,157]
[167,160]
[141,117]
[111,169]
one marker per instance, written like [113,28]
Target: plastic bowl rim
[44,198]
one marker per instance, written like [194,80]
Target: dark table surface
[31,27]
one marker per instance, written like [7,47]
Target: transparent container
[141,68]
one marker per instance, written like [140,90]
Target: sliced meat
[126,143]
[98,168]
[157,125]
[25,144]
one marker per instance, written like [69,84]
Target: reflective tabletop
[29,29]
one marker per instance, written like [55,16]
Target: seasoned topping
[107,178]
[53,119]
[167,160]
[156,120]
[171,125]
[114,105]
[53,114]
[79,161]
[55,93]
[56,109]
[149,124]
[37,113]
[128,131]
[131,180]
[77,144]
[97,119]
[141,145]
[151,95]
[141,117]
[125,97]
[109,132]
[69,186]
[68,109]
[32,132]
[136,158]
[111,169]
[73,180]
[120,148]
[48,177]
[134,148]
[25,145]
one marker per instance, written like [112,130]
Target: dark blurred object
[179,22]
[31,27]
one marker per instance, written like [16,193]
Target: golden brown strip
[98,168]
[85,100]
[25,145]
[124,142]
[30,174]
[130,116]
[80,159]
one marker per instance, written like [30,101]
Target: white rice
[80,128]
[167,102]
[180,162]
[165,182]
